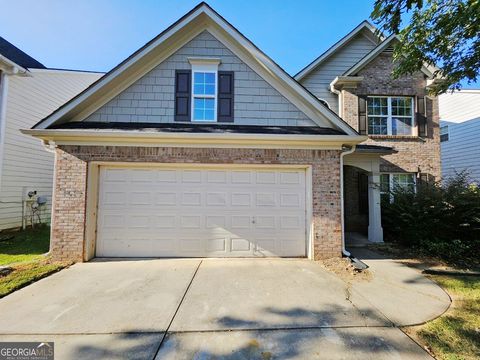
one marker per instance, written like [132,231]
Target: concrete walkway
[230,309]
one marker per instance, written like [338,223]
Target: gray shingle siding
[318,81]
[151,98]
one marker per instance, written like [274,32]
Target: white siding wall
[459,106]
[152,98]
[25,161]
[318,81]
[462,150]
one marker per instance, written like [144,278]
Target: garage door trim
[93,193]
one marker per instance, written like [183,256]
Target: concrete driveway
[233,309]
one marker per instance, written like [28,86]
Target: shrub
[441,220]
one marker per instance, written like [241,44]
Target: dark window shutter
[421,117]
[225,96]
[183,90]
[362,115]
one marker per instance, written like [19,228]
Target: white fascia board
[144,138]
[309,68]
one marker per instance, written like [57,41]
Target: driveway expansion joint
[176,310]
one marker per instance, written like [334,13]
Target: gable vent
[388,50]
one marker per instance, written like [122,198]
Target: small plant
[442,220]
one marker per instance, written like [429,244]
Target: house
[459,133]
[28,92]
[200,145]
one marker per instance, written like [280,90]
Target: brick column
[68,212]
[327,205]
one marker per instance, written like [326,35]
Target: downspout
[339,95]
[50,146]
[342,210]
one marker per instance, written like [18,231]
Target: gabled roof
[14,54]
[364,27]
[383,46]
[199,19]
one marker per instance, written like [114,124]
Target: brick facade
[414,154]
[68,226]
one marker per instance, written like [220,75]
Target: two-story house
[200,145]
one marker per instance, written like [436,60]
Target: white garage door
[201,212]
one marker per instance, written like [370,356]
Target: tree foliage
[445,33]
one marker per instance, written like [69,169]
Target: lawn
[24,246]
[24,251]
[456,334]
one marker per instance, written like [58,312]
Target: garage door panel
[224,212]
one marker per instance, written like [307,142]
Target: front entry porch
[362,202]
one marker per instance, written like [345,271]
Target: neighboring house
[460,133]
[28,92]
[199,144]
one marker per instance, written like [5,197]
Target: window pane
[210,89]
[405,181]
[377,106]
[402,106]
[204,83]
[402,126]
[377,125]
[209,78]
[204,109]
[209,115]
[199,78]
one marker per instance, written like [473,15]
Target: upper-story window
[388,115]
[444,133]
[204,92]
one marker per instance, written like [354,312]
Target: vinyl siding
[26,164]
[151,98]
[460,106]
[462,150]
[318,81]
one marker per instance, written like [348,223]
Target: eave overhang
[213,140]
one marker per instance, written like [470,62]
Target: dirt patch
[343,268]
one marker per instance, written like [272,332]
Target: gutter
[15,68]
[342,210]
[149,138]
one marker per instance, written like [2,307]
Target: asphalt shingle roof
[12,53]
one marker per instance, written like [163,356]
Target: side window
[444,136]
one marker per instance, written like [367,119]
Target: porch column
[375,230]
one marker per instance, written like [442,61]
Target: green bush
[440,220]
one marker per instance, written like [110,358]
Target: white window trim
[207,66]
[389,115]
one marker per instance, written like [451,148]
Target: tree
[445,33]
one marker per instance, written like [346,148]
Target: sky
[96,35]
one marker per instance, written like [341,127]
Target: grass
[24,246]
[24,252]
[27,273]
[456,334]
